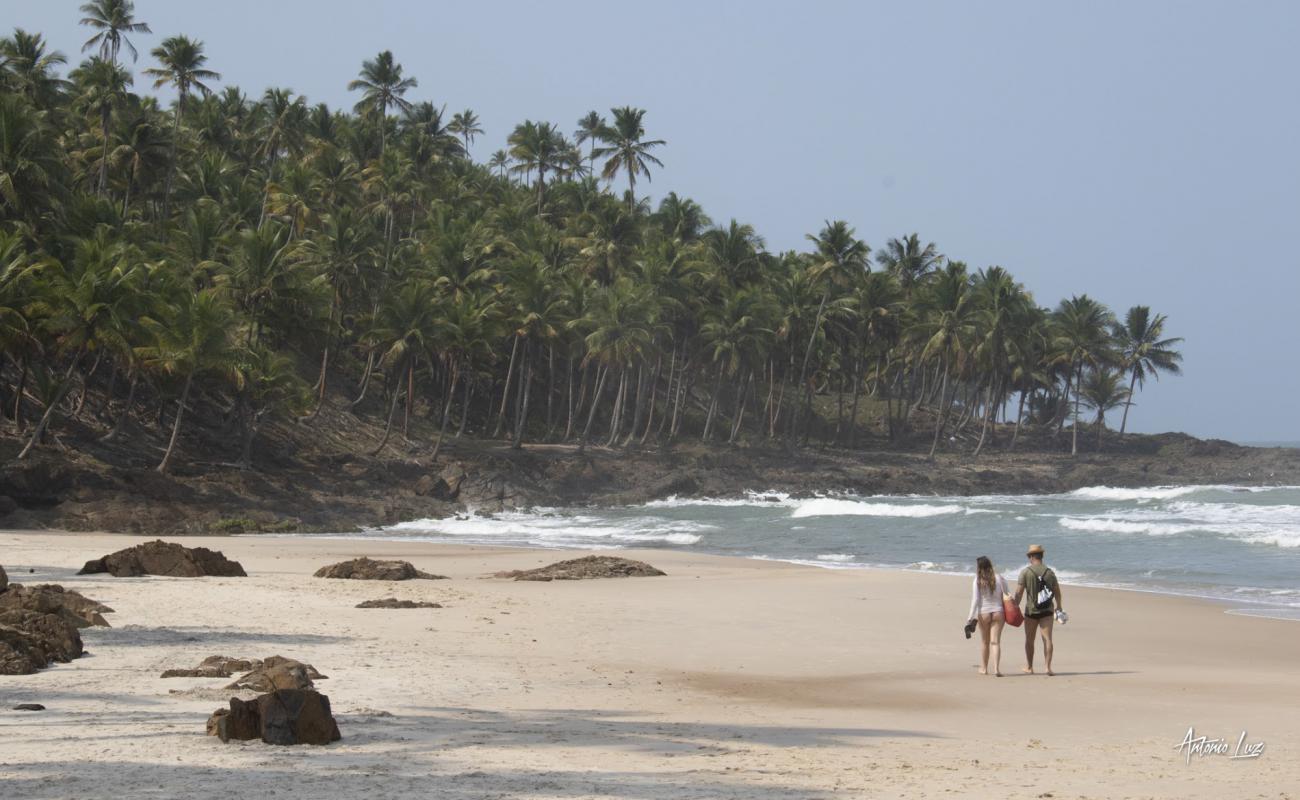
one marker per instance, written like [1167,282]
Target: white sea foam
[1110,525]
[760,499]
[551,529]
[833,507]
[1149,493]
[836,557]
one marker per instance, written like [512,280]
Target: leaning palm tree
[1143,351]
[103,88]
[840,259]
[180,63]
[465,124]
[192,337]
[113,19]
[626,150]
[1103,391]
[382,87]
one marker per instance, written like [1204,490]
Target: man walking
[1038,581]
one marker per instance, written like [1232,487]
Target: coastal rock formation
[165,558]
[393,602]
[366,569]
[276,673]
[283,717]
[4,580]
[216,667]
[49,598]
[577,569]
[31,640]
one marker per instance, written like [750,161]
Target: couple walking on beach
[992,607]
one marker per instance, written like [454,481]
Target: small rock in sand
[165,558]
[216,667]
[585,568]
[367,569]
[393,602]
[29,707]
[283,717]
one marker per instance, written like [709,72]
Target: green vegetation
[244,257]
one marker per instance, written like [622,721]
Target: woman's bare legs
[995,641]
[984,624]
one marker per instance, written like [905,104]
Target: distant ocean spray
[1226,542]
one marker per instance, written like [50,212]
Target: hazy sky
[1139,152]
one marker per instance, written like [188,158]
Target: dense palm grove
[266,256]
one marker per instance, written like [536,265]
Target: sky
[1141,153]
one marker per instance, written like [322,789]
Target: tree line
[267,255]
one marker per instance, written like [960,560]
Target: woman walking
[987,591]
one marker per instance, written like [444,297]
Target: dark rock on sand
[283,717]
[367,569]
[276,673]
[165,558]
[216,667]
[32,640]
[393,602]
[49,598]
[585,568]
[29,707]
[4,580]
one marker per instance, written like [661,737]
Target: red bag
[1011,612]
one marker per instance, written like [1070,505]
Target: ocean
[1233,543]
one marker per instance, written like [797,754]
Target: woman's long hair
[984,573]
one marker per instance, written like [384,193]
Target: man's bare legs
[1045,630]
[1031,628]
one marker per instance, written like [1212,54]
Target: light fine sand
[728,678]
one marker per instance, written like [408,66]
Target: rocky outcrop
[165,558]
[282,717]
[49,598]
[4,580]
[585,568]
[393,602]
[367,569]
[216,667]
[32,640]
[276,673]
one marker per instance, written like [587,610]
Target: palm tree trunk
[601,374]
[103,153]
[857,390]
[1074,444]
[943,409]
[525,387]
[23,370]
[126,409]
[654,394]
[39,431]
[392,412]
[713,403]
[1123,423]
[464,407]
[446,412]
[616,416]
[505,393]
[740,406]
[1020,415]
[807,356]
[171,165]
[410,398]
[568,425]
[176,425]
[550,391]
[988,420]
[365,379]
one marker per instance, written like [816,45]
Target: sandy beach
[729,678]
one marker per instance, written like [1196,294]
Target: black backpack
[1043,600]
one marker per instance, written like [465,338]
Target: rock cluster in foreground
[165,558]
[367,569]
[283,717]
[40,625]
[585,568]
[215,667]
[393,602]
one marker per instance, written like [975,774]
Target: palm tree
[1083,340]
[1103,391]
[909,260]
[103,88]
[30,65]
[465,123]
[181,61]
[192,337]
[113,19]
[840,259]
[30,162]
[588,132]
[1144,352]
[382,87]
[536,146]
[500,162]
[626,150]
[947,327]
